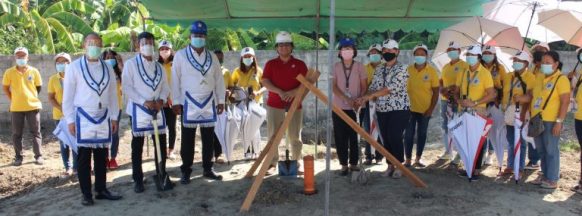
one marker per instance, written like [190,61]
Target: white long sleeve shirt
[185,78]
[78,93]
[135,88]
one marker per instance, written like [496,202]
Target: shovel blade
[163,183]
[288,168]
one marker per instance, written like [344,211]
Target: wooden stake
[321,96]
[276,139]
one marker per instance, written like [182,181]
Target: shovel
[287,168]
[161,178]
[361,176]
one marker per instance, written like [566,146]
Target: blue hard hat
[198,27]
[346,42]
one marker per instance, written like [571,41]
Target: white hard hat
[454,45]
[490,49]
[376,47]
[21,49]
[420,46]
[283,37]
[390,44]
[474,49]
[165,43]
[522,55]
[63,55]
[247,50]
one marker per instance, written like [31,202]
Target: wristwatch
[558,120]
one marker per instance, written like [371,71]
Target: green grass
[570,146]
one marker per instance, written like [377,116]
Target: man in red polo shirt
[279,78]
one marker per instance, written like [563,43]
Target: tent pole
[316,41]
[330,104]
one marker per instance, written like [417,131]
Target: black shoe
[87,201]
[212,175]
[185,179]
[475,178]
[107,195]
[138,188]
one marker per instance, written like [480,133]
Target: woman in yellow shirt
[551,100]
[578,118]
[55,97]
[166,58]
[112,58]
[248,75]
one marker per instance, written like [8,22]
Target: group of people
[89,93]
[403,98]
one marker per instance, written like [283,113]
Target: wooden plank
[319,94]
[276,139]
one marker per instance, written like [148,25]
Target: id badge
[347,92]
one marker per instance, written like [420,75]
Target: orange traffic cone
[308,176]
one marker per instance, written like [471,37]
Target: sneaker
[388,172]
[39,161]
[419,163]
[538,181]
[66,174]
[17,162]
[532,166]
[113,164]
[549,184]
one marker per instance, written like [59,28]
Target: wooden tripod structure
[272,146]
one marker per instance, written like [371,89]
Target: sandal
[549,185]
[538,181]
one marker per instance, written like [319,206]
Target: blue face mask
[375,58]
[472,60]
[453,55]
[247,61]
[488,58]
[419,60]
[547,69]
[580,57]
[93,52]
[111,62]
[517,66]
[21,62]
[197,42]
[61,67]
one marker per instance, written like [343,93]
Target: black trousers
[171,123]
[346,139]
[392,125]
[84,169]
[136,156]
[187,151]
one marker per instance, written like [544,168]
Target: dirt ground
[38,190]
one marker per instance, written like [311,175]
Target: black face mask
[537,56]
[389,56]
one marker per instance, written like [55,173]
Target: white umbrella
[227,129]
[220,131]
[62,133]
[478,30]
[470,133]
[256,116]
[522,14]
[498,134]
[517,123]
[567,24]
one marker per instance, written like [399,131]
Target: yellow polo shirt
[480,81]
[541,93]
[370,70]
[499,77]
[251,78]
[168,69]
[578,114]
[527,77]
[23,88]
[420,85]
[55,86]
[450,72]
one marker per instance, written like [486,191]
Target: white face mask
[165,53]
[147,50]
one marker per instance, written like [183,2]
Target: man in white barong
[146,87]
[91,110]
[198,93]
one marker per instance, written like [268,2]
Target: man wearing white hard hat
[578,116]
[279,78]
[247,77]
[516,88]
[198,94]
[423,90]
[449,74]
[375,59]
[389,90]
[475,89]
[55,97]
[21,84]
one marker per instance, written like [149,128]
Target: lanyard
[469,81]
[347,75]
